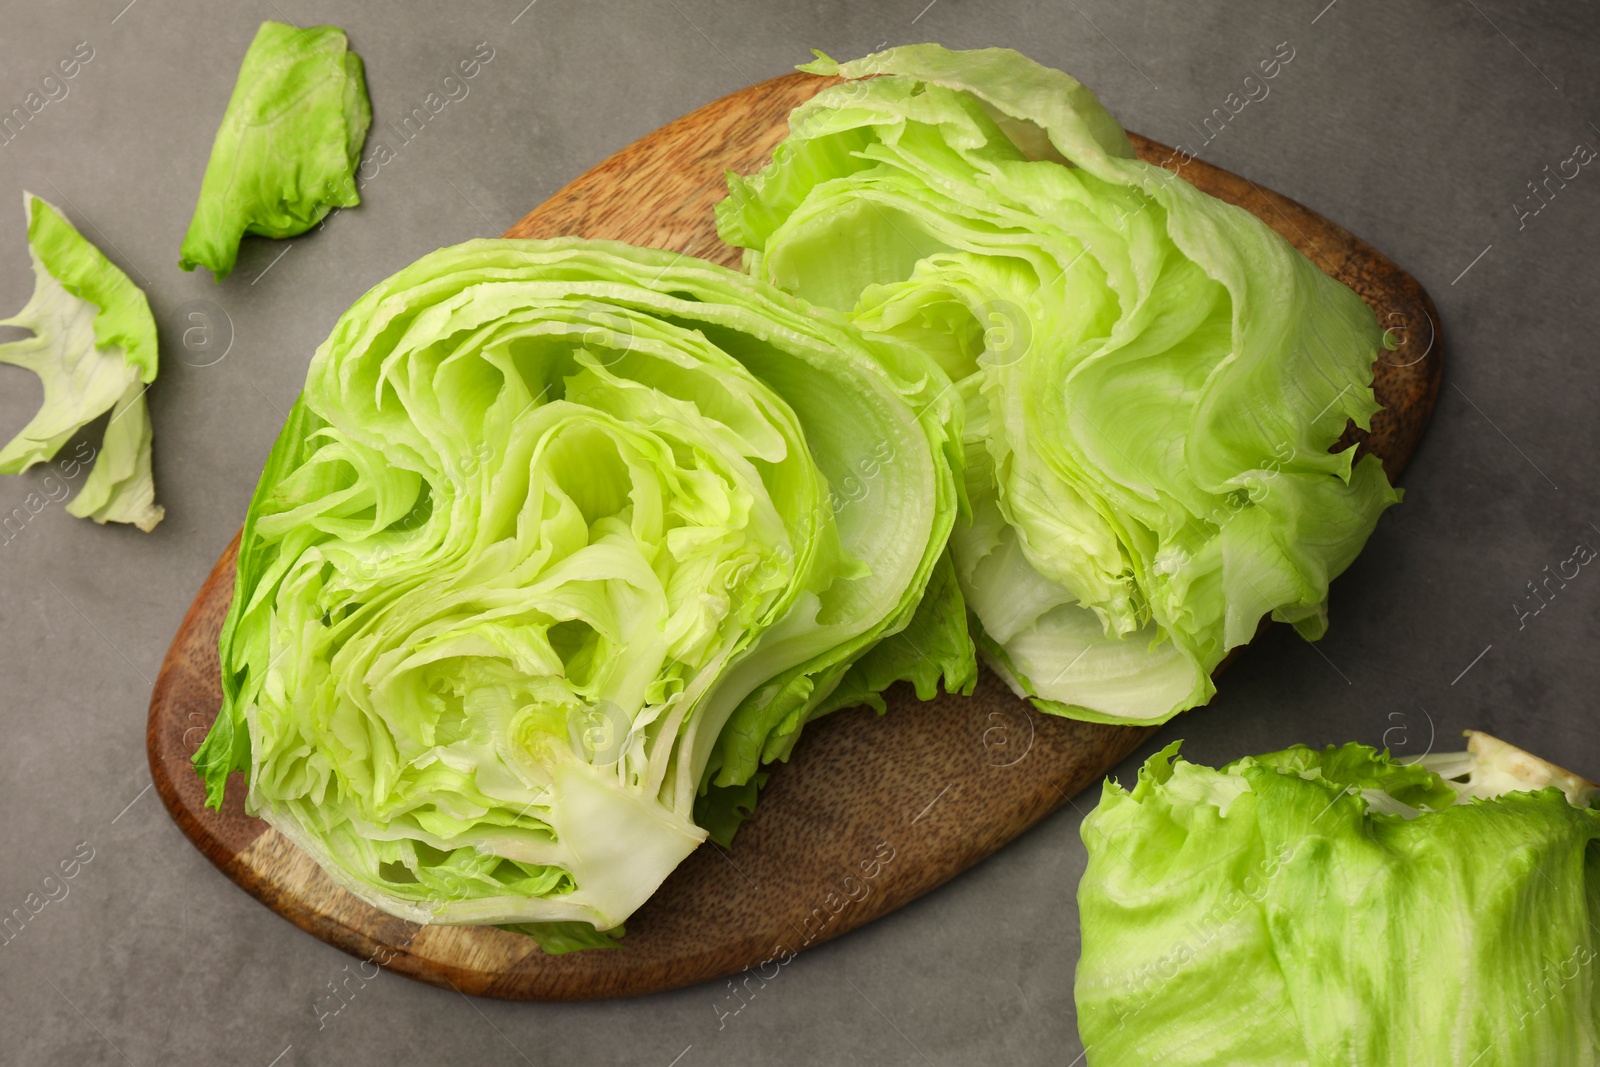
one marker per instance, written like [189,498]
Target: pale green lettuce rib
[94,349]
[120,486]
[550,521]
[1153,378]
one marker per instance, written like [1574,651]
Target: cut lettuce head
[1154,380]
[1309,907]
[558,535]
[287,150]
[94,349]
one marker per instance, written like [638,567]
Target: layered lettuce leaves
[559,537]
[1154,380]
[288,147]
[93,346]
[1339,906]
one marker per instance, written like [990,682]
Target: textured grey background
[1417,125]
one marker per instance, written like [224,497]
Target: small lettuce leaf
[1153,379]
[120,486]
[287,150]
[94,349]
[1317,907]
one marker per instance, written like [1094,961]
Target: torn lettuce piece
[1153,378]
[93,348]
[288,147]
[1339,906]
[546,519]
[120,486]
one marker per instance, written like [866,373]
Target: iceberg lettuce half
[1154,379]
[559,535]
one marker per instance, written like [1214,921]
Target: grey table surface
[1417,125]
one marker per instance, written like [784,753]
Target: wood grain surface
[871,812]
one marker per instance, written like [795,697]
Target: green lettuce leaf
[933,648]
[1309,907]
[288,147]
[547,519]
[94,349]
[559,938]
[722,809]
[1153,379]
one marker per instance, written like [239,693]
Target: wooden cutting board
[871,812]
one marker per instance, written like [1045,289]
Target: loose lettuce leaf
[120,486]
[1308,907]
[93,348]
[1153,379]
[545,519]
[288,147]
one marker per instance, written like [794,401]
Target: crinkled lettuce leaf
[1307,907]
[933,649]
[289,144]
[1154,379]
[94,349]
[547,519]
[721,809]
